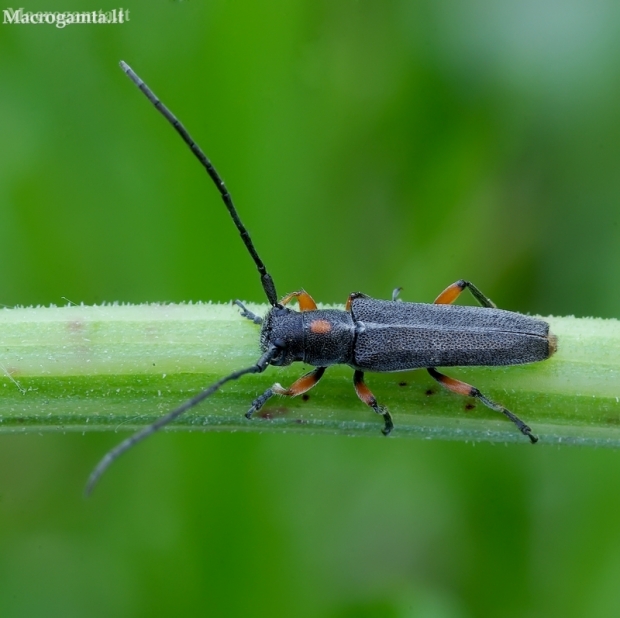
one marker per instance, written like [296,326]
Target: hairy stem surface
[117,367]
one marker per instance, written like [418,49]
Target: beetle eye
[280,353]
[278,358]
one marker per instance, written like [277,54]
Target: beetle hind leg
[299,387]
[462,388]
[364,393]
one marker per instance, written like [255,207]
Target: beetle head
[283,328]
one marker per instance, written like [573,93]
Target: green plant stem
[116,367]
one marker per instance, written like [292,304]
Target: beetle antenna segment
[125,445]
[265,277]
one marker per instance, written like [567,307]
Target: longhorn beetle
[369,335]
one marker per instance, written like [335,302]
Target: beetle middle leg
[352,297]
[299,387]
[452,292]
[364,393]
[462,388]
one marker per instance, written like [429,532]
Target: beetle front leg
[246,313]
[299,387]
[304,300]
[452,292]
[364,393]
[462,388]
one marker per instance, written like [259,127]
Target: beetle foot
[259,402]
[389,424]
[246,313]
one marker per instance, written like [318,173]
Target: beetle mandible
[368,335]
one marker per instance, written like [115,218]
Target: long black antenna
[125,445]
[265,277]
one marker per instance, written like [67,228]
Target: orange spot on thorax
[320,327]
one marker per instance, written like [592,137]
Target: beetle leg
[396,293]
[246,313]
[352,297]
[300,386]
[461,388]
[363,392]
[452,292]
[306,302]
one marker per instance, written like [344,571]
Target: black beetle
[369,335]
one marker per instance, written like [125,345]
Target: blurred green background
[368,145]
